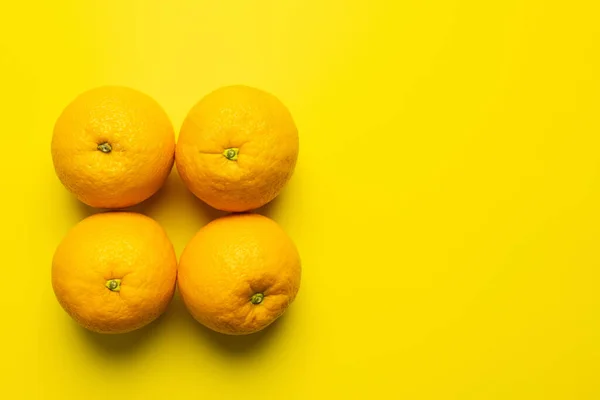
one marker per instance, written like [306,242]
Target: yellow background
[446,201]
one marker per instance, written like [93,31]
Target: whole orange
[237,148]
[239,273]
[115,272]
[113,147]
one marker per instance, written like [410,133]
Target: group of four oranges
[116,271]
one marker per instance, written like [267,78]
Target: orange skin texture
[231,259]
[251,120]
[115,245]
[142,140]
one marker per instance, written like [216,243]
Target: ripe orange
[113,147]
[115,272]
[239,274]
[237,148]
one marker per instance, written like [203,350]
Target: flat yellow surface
[446,202]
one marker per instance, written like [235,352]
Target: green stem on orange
[257,298]
[231,153]
[114,285]
[105,147]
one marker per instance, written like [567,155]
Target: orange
[239,274]
[237,148]
[113,147]
[114,272]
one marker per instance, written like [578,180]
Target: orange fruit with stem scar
[114,272]
[237,148]
[239,274]
[113,147]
